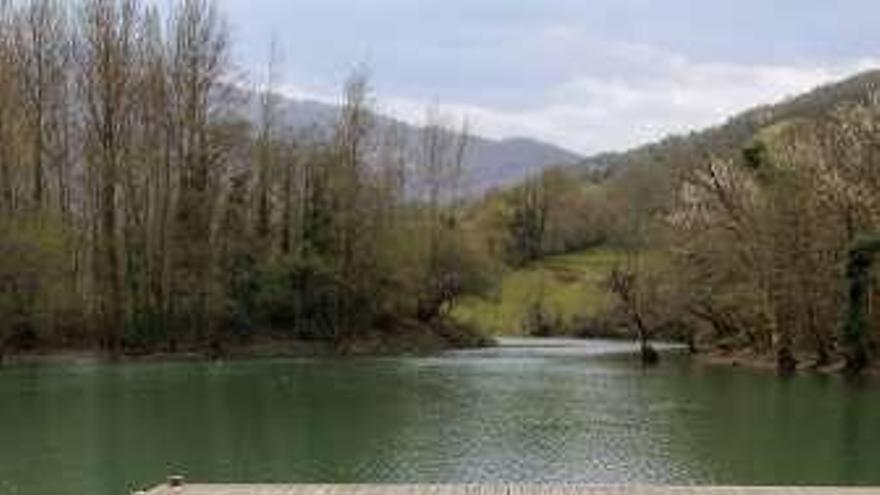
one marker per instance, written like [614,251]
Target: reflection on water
[531,410]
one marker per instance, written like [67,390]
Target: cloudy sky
[590,75]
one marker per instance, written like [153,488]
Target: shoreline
[405,342]
[377,346]
[767,363]
[288,350]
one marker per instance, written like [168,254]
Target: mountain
[493,163]
[731,136]
[488,163]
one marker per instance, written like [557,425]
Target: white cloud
[298,92]
[654,94]
[590,113]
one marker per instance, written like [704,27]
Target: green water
[531,411]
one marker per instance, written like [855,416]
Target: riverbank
[767,362]
[405,339]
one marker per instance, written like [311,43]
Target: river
[528,411]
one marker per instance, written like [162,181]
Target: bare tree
[198,59]
[107,57]
[42,44]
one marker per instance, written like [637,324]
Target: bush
[37,302]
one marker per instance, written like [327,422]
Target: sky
[588,75]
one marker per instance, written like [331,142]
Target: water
[532,410]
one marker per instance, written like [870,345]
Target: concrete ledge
[498,489]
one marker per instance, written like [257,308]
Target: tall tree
[42,43]
[198,59]
[107,57]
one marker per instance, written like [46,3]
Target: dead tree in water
[623,283]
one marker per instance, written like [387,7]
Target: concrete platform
[496,489]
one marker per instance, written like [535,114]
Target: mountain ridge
[735,132]
[489,163]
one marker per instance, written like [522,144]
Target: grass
[571,287]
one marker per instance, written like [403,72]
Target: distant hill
[488,162]
[492,163]
[736,132]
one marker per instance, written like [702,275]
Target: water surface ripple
[528,411]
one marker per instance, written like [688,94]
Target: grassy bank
[569,286]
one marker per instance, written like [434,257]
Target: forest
[142,210]
[753,240]
[148,203]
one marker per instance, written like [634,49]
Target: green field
[570,285]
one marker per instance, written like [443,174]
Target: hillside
[488,163]
[566,288]
[736,131]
